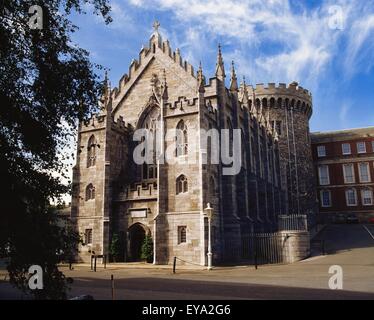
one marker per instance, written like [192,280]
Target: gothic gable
[142,86]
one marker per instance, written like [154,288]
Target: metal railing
[258,248]
[293,222]
[267,248]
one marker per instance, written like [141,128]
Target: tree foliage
[47,84]
[116,248]
[147,249]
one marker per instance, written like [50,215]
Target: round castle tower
[288,110]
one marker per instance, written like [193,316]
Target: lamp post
[209,214]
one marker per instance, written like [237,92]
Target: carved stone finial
[245,98]
[220,68]
[234,81]
[200,79]
[164,86]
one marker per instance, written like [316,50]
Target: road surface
[349,246]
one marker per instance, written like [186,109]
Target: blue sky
[327,46]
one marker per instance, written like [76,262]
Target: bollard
[95,264]
[255,247]
[112,283]
[256,266]
[174,264]
[91,262]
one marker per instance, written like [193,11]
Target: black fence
[267,248]
[261,248]
[294,222]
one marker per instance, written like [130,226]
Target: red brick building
[344,163]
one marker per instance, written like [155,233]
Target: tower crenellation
[281,96]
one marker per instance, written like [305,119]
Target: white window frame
[321,197]
[349,147]
[347,197]
[328,175]
[368,172]
[321,151]
[359,144]
[353,173]
[363,198]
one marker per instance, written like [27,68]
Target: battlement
[294,90]
[156,45]
[121,124]
[177,57]
[139,191]
[133,68]
[182,103]
[98,121]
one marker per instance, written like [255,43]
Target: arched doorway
[137,234]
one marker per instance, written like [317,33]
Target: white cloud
[361,45]
[303,39]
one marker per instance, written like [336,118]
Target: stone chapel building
[114,195]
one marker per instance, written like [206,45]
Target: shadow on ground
[176,289]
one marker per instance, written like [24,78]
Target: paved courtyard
[349,246]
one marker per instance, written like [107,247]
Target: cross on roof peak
[156,25]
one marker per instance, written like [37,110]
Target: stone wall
[296,245]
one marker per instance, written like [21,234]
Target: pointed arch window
[182,139]
[182,234]
[90,192]
[88,236]
[212,188]
[253,156]
[91,152]
[231,137]
[120,149]
[182,184]
[151,124]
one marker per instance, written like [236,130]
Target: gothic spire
[234,80]
[106,88]
[220,68]
[245,92]
[200,80]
